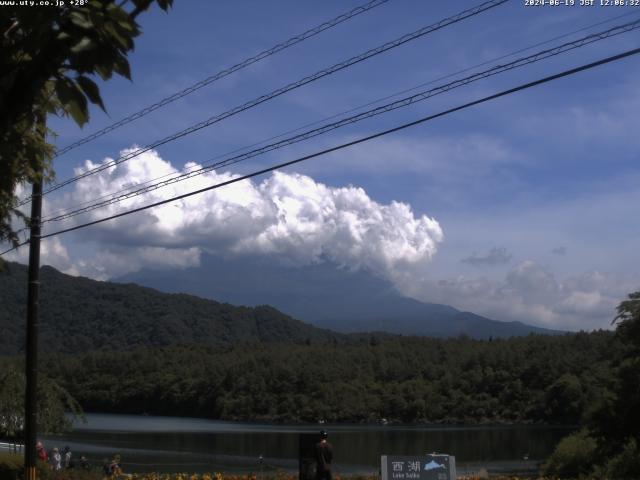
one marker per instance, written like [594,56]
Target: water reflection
[198,444]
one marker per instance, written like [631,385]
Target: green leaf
[165,4]
[103,71]
[97,17]
[72,100]
[81,20]
[125,42]
[129,26]
[118,14]
[121,66]
[142,4]
[91,90]
[83,45]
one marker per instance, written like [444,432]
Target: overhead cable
[280,91]
[340,114]
[404,102]
[223,73]
[503,93]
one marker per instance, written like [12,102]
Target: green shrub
[625,465]
[71,474]
[11,466]
[574,456]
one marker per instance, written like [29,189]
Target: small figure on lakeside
[41,452]
[84,463]
[114,466]
[55,459]
[324,456]
[66,457]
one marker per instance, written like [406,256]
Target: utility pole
[33,294]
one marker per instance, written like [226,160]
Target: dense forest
[79,314]
[551,379]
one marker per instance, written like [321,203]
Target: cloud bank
[530,293]
[495,256]
[287,216]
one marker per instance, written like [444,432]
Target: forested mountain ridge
[79,314]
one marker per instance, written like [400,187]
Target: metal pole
[261,467]
[30,404]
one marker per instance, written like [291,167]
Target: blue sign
[420,467]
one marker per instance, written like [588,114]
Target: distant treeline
[548,379]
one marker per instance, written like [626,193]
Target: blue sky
[535,194]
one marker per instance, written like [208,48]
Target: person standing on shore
[114,466]
[66,457]
[55,459]
[324,457]
[41,452]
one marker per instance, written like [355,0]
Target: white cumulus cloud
[287,216]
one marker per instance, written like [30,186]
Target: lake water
[148,443]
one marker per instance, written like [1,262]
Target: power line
[291,86]
[337,115]
[503,93]
[320,74]
[418,97]
[223,73]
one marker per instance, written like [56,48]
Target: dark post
[30,404]
[307,456]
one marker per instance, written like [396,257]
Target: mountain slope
[78,314]
[326,296]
